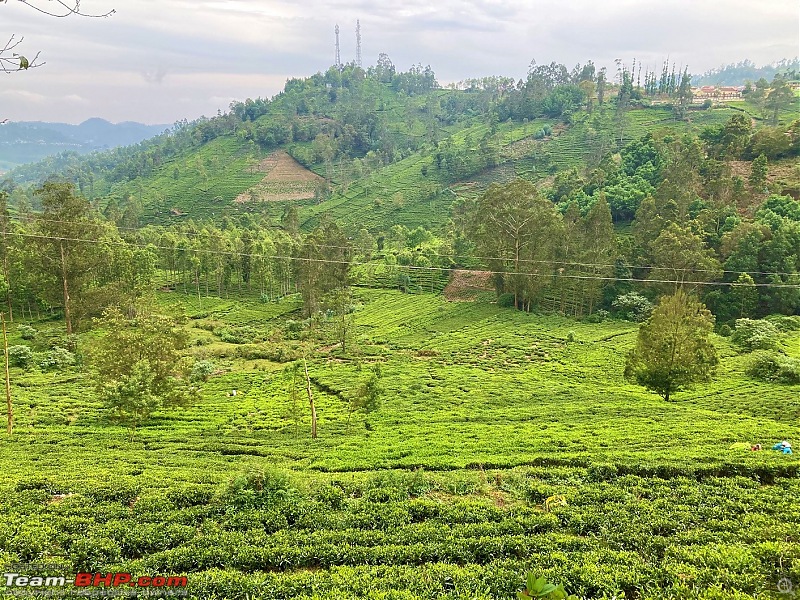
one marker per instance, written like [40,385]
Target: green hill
[385,150]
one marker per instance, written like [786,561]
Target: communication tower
[358,43]
[338,54]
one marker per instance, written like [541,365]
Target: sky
[159,61]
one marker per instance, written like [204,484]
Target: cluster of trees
[686,168]
[67,256]
[770,99]
[535,252]
[693,223]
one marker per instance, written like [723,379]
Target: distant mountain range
[30,141]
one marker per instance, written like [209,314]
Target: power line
[554,262]
[400,267]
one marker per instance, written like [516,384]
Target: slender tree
[66,246]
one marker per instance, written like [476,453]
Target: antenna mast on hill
[358,43]
[338,54]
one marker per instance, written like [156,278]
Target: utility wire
[400,267]
[355,249]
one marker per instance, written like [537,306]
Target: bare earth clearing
[466,286]
[286,179]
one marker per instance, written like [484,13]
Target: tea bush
[751,334]
[20,356]
[771,366]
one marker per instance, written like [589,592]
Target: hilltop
[383,148]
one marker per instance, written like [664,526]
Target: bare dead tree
[12,61]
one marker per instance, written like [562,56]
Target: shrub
[293,329]
[725,330]
[774,367]
[633,307]
[237,335]
[785,323]
[26,332]
[331,495]
[202,370]
[20,356]
[753,334]
[57,358]
[598,316]
[505,300]
[259,489]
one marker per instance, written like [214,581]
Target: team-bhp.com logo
[93,580]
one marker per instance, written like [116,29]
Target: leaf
[538,586]
[23,63]
[547,588]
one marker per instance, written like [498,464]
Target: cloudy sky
[156,61]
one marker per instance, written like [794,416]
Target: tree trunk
[9,406]
[67,315]
[311,401]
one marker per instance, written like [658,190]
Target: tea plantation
[505,443]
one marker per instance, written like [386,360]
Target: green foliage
[322,265]
[259,489]
[771,366]
[785,206]
[26,332]
[20,356]
[758,173]
[514,226]
[785,323]
[505,300]
[540,588]
[202,370]
[138,367]
[751,334]
[672,349]
[57,359]
[367,397]
[633,307]
[130,398]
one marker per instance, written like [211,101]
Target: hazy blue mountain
[29,141]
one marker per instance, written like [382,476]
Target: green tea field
[505,443]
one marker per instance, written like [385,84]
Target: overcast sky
[157,61]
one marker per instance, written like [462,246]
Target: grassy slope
[497,409]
